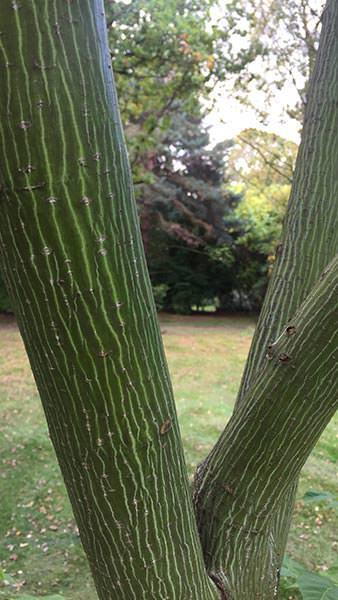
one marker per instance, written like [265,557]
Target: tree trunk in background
[73,261]
[74,264]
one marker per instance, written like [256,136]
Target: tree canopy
[287,33]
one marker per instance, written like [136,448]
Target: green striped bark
[310,233]
[261,451]
[310,242]
[310,236]
[72,257]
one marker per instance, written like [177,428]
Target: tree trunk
[244,482]
[74,264]
[73,261]
[310,242]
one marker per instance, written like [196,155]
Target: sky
[229,117]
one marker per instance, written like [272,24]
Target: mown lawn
[40,552]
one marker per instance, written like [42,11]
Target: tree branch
[293,399]
[266,160]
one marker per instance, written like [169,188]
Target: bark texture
[310,242]
[73,261]
[310,232]
[247,476]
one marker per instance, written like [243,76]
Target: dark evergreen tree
[186,216]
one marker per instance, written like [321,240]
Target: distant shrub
[160,292]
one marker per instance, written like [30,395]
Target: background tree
[187,217]
[166,56]
[260,169]
[288,33]
[260,158]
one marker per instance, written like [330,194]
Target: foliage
[263,221]
[166,57]
[160,292]
[260,159]
[164,51]
[327,497]
[312,586]
[260,165]
[186,215]
[288,31]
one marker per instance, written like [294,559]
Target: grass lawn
[40,551]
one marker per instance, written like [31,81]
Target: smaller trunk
[248,475]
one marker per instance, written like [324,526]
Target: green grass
[40,550]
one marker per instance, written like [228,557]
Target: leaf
[285,572]
[313,496]
[317,587]
[332,573]
[291,568]
[5,578]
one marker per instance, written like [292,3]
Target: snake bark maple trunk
[73,261]
[309,243]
